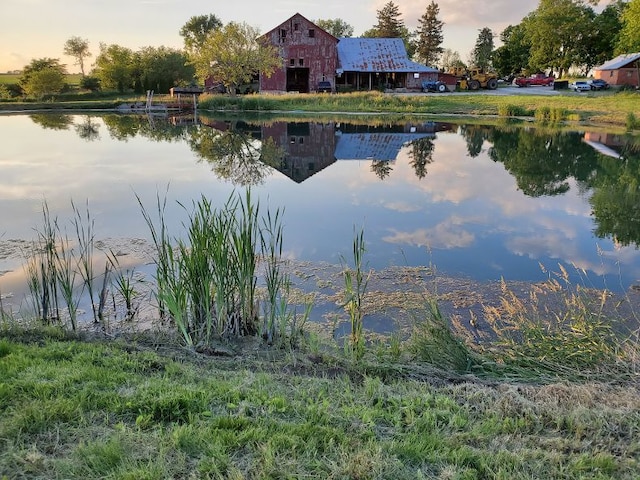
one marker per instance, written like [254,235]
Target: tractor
[475,78]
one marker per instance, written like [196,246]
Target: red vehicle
[536,79]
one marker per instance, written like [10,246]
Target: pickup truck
[537,79]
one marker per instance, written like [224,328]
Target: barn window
[301,61]
[296,26]
[312,33]
[292,62]
[283,34]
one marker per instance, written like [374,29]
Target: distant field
[8,78]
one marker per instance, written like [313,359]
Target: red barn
[309,56]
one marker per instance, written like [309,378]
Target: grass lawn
[598,107]
[610,108]
[137,409]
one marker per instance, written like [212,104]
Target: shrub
[512,111]
[632,121]
[548,114]
[90,83]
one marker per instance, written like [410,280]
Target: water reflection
[482,201]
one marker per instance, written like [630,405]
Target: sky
[39,28]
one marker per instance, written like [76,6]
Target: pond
[477,202]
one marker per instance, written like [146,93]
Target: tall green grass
[281,324]
[356,281]
[207,283]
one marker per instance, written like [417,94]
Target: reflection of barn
[622,70]
[308,56]
[357,142]
[309,147]
[608,144]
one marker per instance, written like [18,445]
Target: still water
[477,201]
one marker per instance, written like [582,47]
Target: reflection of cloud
[446,235]
[402,207]
[558,246]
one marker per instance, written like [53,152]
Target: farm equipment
[434,86]
[475,78]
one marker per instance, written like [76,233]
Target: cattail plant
[355,282]
[84,226]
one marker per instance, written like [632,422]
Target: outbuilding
[379,63]
[622,70]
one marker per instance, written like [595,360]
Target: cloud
[469,13]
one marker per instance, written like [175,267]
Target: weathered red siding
[622,76]
[309,56]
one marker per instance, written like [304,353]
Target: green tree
[44,83]
[483,50]
[77,48]
[629,39]
[429,36]
[602,37]
[450,58]
[513,56]
[233,56]
[196,30]
[391,25]
[336,27]
[556,30]
[43,77]
[115,67]
[160,68]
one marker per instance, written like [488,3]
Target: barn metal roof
[374,146]
[619,62]
[376,55]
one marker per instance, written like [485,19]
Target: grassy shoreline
[74,407]
[599,108]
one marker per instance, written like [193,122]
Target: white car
[580,87]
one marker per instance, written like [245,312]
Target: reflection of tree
[52,121]
[542,163]
[236,156]
[122,127]
[88,130]
[382,168]
[616,198]
[475,136]
[421,155]
[158,129]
